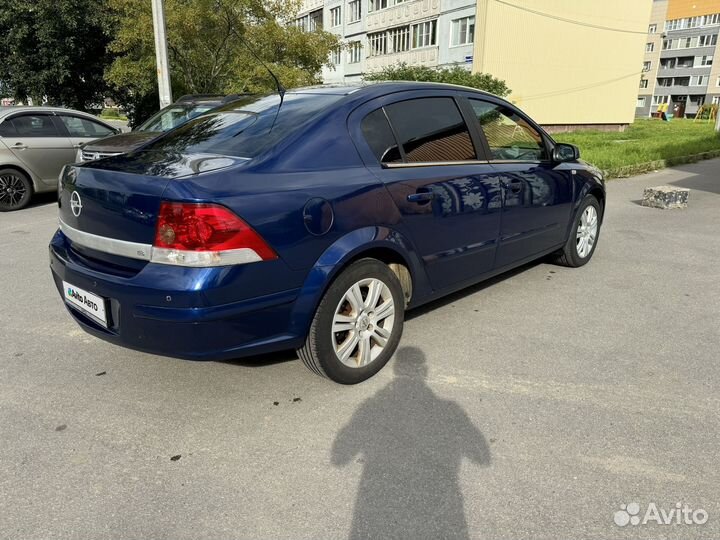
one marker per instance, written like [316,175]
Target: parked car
[184,109]
[317,223]
[35,144]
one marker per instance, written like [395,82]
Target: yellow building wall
[681,9]
[561,68]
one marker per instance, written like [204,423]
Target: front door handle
[19,146]
[421,197]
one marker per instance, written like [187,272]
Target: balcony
[403,13]
[427,56]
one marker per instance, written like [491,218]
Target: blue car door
[537,195]
[449,199]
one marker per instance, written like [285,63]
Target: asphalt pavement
[533,406]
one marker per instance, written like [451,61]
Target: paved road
[530,407]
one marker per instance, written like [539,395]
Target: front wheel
[583,235]
[357,325]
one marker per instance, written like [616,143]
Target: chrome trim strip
[411,164]
[113,246]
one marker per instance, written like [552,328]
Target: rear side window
[35,125]
[379,136]
[431,130]
[509,136]
[82,127]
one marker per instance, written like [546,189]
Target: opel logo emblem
[75,204]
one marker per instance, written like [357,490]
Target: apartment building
[379,33]
[682,58]
[568,63]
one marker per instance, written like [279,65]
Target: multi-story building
[682,58]
[379,33]
[568,63]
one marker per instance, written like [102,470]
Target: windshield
[243,129]
[172,116]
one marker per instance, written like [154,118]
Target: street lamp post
[161,53]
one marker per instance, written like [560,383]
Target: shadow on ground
[411,444]
[697,180]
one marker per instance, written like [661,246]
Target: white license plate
[90,304]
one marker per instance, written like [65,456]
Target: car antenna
[278,84]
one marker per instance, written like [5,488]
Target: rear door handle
[19,146]
[421,197]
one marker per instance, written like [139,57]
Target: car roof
[4,111]
[378,88]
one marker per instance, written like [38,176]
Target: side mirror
[565,152]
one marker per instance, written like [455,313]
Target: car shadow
[472,289]
[410,443]
[697,180]
[42,199]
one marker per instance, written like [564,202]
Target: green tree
[453,75]
[55,50]
[208,44]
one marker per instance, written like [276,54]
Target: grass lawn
[646,145]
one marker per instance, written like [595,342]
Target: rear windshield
[173,116]
[243,129]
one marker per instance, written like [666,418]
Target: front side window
[462,31]
[34,125]
[431,130]
[509,136]
[82,127]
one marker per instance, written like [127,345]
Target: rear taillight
[202,234]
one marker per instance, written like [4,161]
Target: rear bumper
[164,310]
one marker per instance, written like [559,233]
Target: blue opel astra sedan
[314,220]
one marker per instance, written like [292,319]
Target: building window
[424,34]
[462,31]
[311,22]
[377,44]
[375,5]
[658,100]
[646,66]
[354,52]
[692,22]
[706,61]
[354,11]
[716,100]
[696,100]
[335,57]
[707,41]
[644,83]
[652,28]
[717,83]
[649,47]
[335,17]
[400,39]
[700,80]
[640,101]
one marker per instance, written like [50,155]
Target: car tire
[584,235]
[16,190]
[374,325]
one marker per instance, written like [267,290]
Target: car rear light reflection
[203,234]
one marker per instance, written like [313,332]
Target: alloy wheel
[587,232]
[12,191]
[363,322]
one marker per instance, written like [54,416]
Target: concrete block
[665,197]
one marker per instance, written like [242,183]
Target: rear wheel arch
[371,242]
[24,171]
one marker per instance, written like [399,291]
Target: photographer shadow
[411,444]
